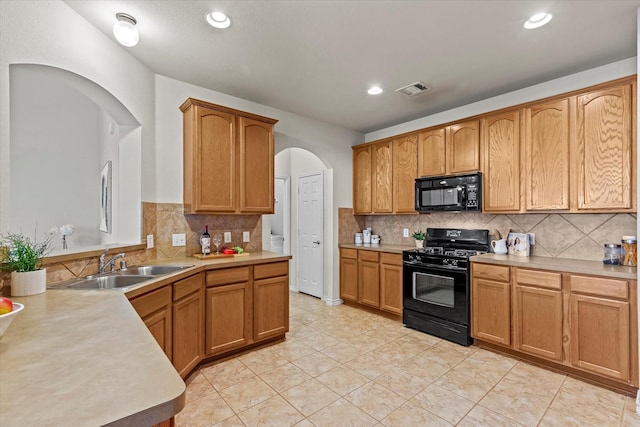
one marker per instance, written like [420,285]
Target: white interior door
[310,264]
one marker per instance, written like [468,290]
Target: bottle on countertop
[205,241]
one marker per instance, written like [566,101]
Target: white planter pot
[419,243]
[28,283]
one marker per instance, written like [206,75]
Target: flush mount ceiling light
[538,20]
[125,30]
[375,90]
[218,20]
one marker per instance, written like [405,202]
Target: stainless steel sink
[107,282]
[154,270]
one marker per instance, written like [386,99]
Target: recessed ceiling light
[538,20]
[125,30]
[218,20]
[375,90]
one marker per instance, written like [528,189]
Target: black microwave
[449,193]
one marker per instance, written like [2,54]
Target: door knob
[317,242]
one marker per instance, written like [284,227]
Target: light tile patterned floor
[341,366]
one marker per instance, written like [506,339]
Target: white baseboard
[638,403]
[293,289]
[332,302]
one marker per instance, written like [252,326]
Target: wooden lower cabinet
[372,278]
[228,317]
[368,278]
[537,313]
[391,282]
[155,311]
[587,323]
[349,274]
[188,324]
[270,300]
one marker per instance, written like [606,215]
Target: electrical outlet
[246,236]
[149,241]
[179,239]
[532,238]
[227,236]
[405,232]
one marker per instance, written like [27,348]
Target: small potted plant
[23,257]
[419,236]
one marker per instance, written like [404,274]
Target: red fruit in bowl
[6,305]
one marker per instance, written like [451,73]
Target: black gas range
[436,282]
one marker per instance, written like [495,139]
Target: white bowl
[7,318]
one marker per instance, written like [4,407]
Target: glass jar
[629,251]
[612,254]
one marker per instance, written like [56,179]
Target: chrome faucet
[112,262]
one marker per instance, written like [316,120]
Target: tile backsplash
[577,236]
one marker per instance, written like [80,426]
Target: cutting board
[214,256]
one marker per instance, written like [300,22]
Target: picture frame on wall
[105,198]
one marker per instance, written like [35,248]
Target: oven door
[436,291]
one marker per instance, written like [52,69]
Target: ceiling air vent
[414,89]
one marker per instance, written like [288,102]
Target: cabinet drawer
[184,287]
[227,275]
[490,271]
[153,301]
[349,253]
[600,286]
[541,279]
[368,255]
[389,258]
[271,270]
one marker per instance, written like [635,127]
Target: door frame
[286,213]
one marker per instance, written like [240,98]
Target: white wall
[50,33]
[569,83]
[331,144]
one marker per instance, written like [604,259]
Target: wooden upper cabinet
[362,179]
[546,153]
[256,174]
[228,160]
[604,148]
[432,153]
[405,166]
[382,190]
[501,162]
[463,147]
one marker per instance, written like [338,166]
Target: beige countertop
[560,264]
[85,358]
[396,249]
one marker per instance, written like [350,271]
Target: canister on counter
[612,254]
[629,251]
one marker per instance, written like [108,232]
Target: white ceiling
[317,58]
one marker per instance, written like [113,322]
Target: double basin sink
[120,279]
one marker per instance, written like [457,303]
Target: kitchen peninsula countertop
[577,266]
[85,358]
[396,249]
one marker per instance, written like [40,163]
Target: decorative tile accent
[579,236]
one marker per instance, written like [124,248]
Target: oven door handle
[423,267]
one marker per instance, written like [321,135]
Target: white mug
[499,246]
[358,238]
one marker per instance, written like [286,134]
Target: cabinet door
[605,150]
[501,162]
[432,153]
[600,335]
[228,317]
[213,157]
[391,284]
[537,318]
[491,311]
[270,307]
[546,153]
[405,166]
[362,180]
[348,278]
[256,166]
[368,278]
[463,147]
[382,181]
[154,309]
[188,332]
